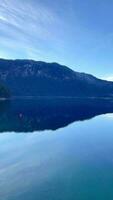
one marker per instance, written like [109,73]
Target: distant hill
[36,78]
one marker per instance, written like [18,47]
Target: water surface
[69,159]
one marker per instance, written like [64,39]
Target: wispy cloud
[27,25]
[2,18]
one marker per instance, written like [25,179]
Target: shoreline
[52,97]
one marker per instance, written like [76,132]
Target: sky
[75,33]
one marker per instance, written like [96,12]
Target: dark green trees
[4,92]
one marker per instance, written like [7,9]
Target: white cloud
[2,18]
[109,116]
[108,78]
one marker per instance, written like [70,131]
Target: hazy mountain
[35,78]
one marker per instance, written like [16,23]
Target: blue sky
[76,33]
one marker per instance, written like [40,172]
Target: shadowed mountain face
[28,115]
[33,78]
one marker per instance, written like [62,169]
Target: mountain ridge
[37,78]
[51,63]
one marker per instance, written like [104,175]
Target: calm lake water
[70,158]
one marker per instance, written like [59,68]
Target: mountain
[36,78]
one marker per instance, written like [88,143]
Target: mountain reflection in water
[28,115]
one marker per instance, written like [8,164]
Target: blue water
[71,163]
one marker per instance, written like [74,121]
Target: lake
[56,149]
